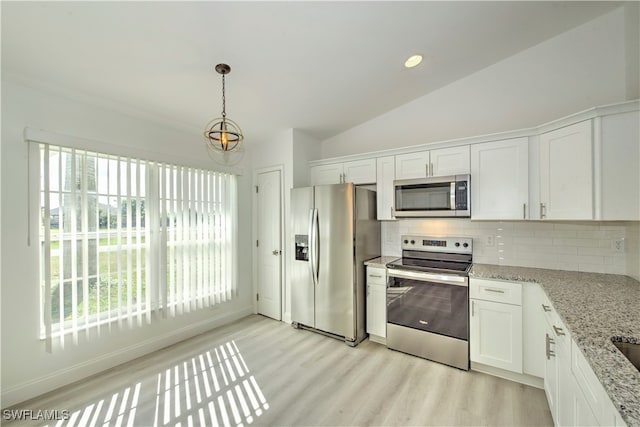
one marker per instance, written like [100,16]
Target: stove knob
[457,244]
[406,241]
[413,242]
[466,245]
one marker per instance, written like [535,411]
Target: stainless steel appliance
[335,230]
[440,196]
[428,299]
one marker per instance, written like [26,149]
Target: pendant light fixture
[222,135]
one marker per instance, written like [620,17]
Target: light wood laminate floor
[261,372]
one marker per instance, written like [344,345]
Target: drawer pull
[549,352]
[558,331]
[497,291]
[546,308]
[375,275]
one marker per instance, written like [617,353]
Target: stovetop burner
[451,255]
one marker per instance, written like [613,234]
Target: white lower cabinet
[495,326]
[574,394]
[377,303]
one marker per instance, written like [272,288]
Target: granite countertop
[381,261]
[595,308]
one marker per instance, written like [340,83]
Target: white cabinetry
[574,394]
[566,173]
[327,174]
[377,303]
[439,162]
[385,174]
[533,326]
[500,179]
[620,174]
[495,337]
[357,172]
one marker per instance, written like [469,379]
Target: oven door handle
[429,277]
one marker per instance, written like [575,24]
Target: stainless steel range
[428,299]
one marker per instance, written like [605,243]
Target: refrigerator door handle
[316,247]
[312,246]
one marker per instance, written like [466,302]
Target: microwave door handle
[453,196]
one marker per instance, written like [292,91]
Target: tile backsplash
[575,246]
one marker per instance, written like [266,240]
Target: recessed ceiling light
[413,61]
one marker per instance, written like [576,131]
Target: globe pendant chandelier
[223,136]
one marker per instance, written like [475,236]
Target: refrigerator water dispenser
[302,247]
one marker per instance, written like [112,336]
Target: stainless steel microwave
[440,196]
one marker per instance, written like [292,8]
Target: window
[126,240]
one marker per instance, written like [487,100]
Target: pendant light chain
[224,113]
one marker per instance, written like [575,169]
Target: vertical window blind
[124,241]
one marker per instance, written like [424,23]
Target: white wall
[584,67]
[583,246]
[27,369]
[292,149]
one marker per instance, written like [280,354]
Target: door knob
[276,252]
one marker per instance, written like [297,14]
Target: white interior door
[269,244]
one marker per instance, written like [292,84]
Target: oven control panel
[462,245]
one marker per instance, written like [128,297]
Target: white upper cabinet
[450,161]
[620,148]
[412,165]
[327,174]
[385,169]
[360,171]
[357,172]
[440,162]
[500,179]
[566,173]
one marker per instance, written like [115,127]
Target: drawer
[376,275]
[496,290]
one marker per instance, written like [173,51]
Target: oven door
[429,302]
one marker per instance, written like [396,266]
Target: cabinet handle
[498,291]
[546,308]
[368,289]
[391,208]
[548,350]
[558,331]
[431,168]
[375,275]
[473,308]
[427,167]
[524,211]
[543,210]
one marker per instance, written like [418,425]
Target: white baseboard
[508,375]
[33,388]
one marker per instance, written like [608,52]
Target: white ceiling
[322,67]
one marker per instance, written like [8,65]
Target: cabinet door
[500,179]
[360,171]
[551,373]
[385,170]
[327,174]
[496,334]
[566,173]
[450,161]
[620,167]
[412,165]
[533,326]
[376,310]
[377,301]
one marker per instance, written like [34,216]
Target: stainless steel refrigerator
[335,230]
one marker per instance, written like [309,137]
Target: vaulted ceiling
[322,67]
